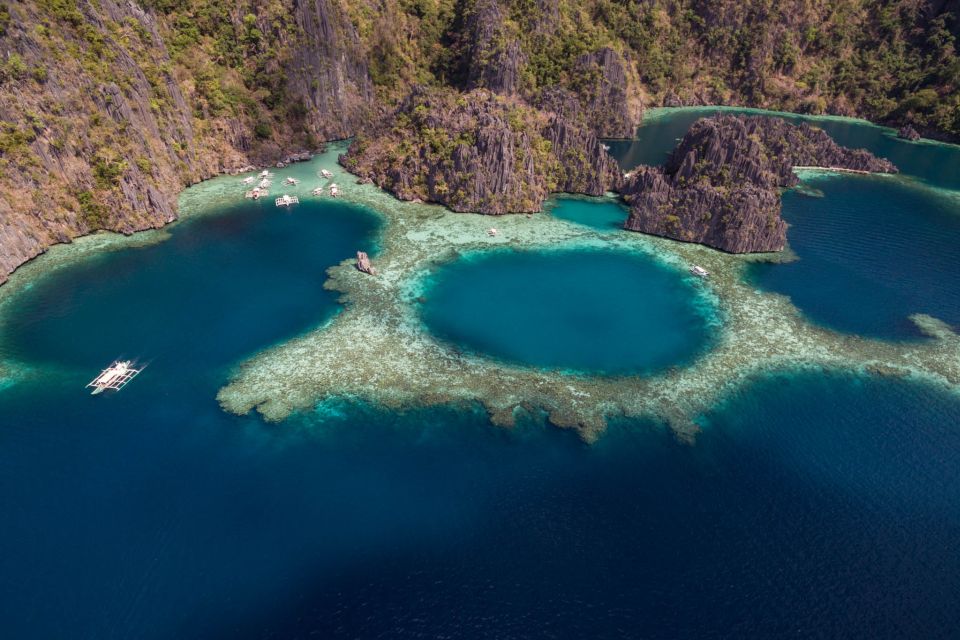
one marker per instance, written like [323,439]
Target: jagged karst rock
[364,264]
[721,185]
[907,132]
[328,70]
[480,152]
[495,57]
[111,148]
[611,108]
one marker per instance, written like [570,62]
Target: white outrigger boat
[699,271]
[264,174]
[248,180]
[292,181]
[334,190]
[264,183]
[115,377]
[286,201]
[325,173]
[318,191]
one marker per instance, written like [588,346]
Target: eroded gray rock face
[328,70]
[721,185]
[364,264]
[113,154]
[600,78]
[495,56]
[907,132]
[480,152]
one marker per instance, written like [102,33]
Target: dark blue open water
[577,309]
[872,251]
[811,506]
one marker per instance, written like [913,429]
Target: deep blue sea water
[578,309]
[871,252]
[812,505]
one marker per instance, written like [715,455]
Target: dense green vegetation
[887,60]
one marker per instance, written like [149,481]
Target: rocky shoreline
[721,185]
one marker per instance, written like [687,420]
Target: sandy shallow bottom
[377,350]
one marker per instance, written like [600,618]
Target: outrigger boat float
[114,377]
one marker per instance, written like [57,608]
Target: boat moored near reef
[114,377]
[325,173]
[699,271]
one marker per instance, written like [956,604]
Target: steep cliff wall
[480,152]
[721,185]
[110,109]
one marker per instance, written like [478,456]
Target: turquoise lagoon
[598,214]
[812,505]
[578,309]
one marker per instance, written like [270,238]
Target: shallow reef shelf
[377,349]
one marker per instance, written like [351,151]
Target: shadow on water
[812,506]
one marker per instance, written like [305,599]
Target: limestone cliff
[720,186]
[109,109]
[480,152]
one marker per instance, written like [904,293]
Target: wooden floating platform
[114,377]
[286,201]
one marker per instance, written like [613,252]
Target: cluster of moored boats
[262,188]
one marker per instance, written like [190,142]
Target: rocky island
[721,184]
[480,152]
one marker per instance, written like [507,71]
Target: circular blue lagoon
[872,251]
[576,309]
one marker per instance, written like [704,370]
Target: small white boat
[318,191]
[264,174]
[325,173]
[114,377]
[264,183]
[605,147]
[248,180]
[255,193]
[334,190]
[492,232]
[699,271]
[286,201]
[292,181]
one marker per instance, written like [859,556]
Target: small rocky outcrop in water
[721,185]
[907,132]
[480,152]
[364,264]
